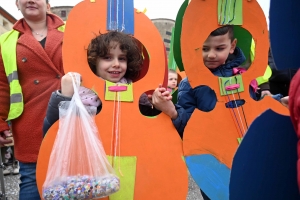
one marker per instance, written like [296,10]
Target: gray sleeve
[52,114]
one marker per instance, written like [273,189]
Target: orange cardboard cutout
[216,132]
[160,170]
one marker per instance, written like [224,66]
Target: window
[167,41]
[168,33]
[63,13]
[5,24]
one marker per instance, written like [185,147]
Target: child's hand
[285,101]
[163,92]
[161,101]
[67,85]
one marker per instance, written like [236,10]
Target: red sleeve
[294,103]
[4,97]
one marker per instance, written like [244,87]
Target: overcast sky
[155,8]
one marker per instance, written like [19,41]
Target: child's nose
[211,54]
[116,63]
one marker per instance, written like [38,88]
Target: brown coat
[39,72]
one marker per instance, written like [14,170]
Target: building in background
[62,11]
[6,21]
[164,27]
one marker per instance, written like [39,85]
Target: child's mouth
[114,74]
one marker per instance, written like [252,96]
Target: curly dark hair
[100,46]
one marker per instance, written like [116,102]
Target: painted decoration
[149,158]
[177,35]
[120,16]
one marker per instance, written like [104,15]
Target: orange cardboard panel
[216,133]
[153,141]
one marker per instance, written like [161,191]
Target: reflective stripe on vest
[8,43]
[268,73]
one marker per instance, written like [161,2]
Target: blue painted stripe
[120,16]
[210,175]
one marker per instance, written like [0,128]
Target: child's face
[172,80]
[113,66]
[216,49]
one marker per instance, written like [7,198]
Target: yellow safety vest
[268,73]
[8,43]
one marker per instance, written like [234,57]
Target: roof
[8,16]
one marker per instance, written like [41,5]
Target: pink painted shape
[232,87]
[254,85]
[117,88]
[238,70]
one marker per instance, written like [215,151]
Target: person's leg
[28,187]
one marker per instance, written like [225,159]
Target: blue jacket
[202,96]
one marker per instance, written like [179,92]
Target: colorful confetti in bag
[78,167]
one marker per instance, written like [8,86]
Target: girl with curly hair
[113,56]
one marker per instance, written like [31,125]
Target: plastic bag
[78,167]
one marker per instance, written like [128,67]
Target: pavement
[12,188]
[194,191]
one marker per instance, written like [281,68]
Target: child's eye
[107,57]
[220,49]
[123,58]
[205,49]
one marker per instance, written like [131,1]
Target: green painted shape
[174,96]
[230,12]
[127,181]
[239,140]
[151,117]
[222,81]
[177,35]
[171,61]
[125,96]
[244,39]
